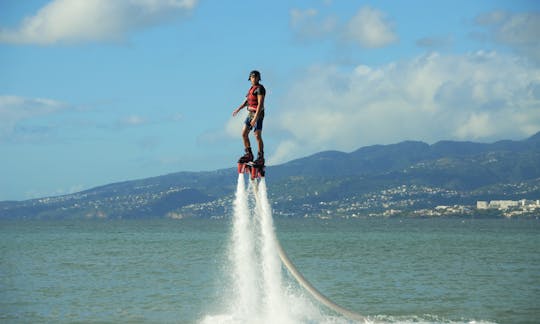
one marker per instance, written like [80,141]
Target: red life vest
[252,100]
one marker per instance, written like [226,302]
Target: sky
[96,91]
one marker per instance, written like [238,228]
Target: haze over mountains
[409,174]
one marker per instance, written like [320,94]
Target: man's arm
[239,108]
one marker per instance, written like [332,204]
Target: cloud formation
[77,21]
[132,121]
[480,96]
[368,28]
[35,119]
[435,42]
[14,110]
[308,25]
[520,31]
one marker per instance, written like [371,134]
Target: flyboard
[256,172]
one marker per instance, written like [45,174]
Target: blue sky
[97,91]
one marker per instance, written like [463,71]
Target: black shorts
[258,125]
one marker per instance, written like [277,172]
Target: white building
[482,204]
[506,204]
[503,204]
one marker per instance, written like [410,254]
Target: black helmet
[255,73]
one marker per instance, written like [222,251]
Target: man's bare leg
[248,157]
[258,137]
[260,144]
[245,137]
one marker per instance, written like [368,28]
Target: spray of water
[271,265]
[258,290]
[242,255]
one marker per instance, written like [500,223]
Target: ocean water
[197,271]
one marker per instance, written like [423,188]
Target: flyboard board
[255,171]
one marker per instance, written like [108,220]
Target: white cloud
[14,110]
[74,21]
[136,120]
[478,125]
[40,193]
[30,119]
[230,132]
[133,120]
[176,117]
[518,28]
[298,16]
[370,28]
[520,31]
[149,143]
[234,126]
[308,24]
[481,97]
[435,42]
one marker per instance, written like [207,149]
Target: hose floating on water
[303,281]
[309,287]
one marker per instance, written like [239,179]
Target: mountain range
[409,175]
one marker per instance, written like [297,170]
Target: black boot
[248,157]
[260,159]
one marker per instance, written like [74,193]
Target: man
[255,106]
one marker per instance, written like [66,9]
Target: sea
[408,270]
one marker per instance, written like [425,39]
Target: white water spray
[257,273]
[258,291]
[271,265]
[242,255]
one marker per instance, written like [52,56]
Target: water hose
[309,287]
[304,282]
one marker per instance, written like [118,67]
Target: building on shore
[507,204]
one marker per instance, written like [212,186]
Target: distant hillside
[443,173]
[396,157]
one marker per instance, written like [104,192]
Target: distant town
[401,201]
[505,208]
[412,201]
[510,207]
